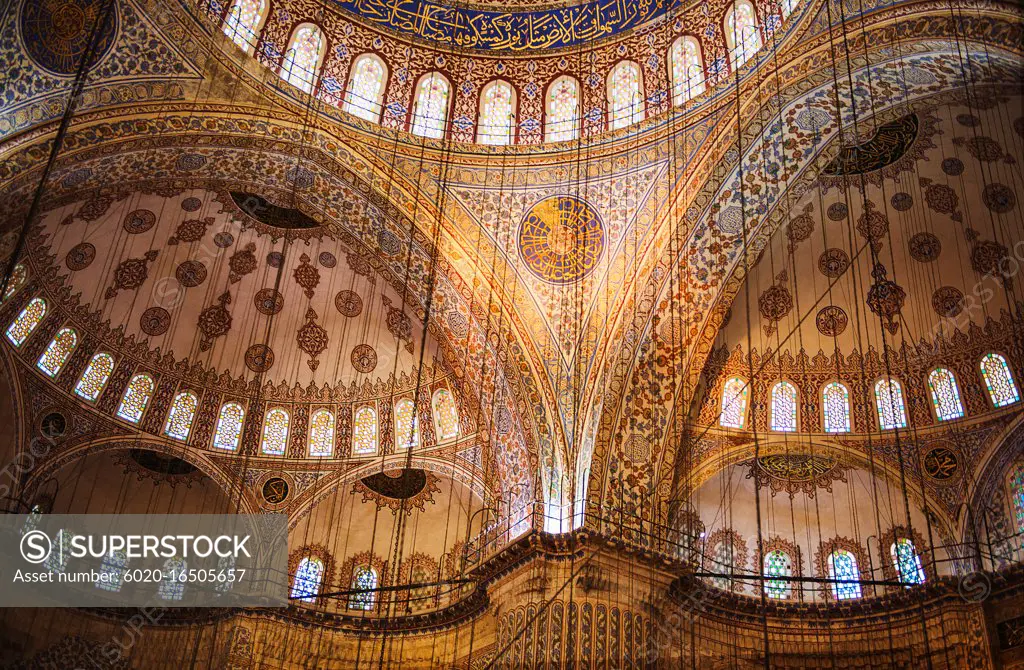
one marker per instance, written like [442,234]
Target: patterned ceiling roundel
[57,32]
[561,239]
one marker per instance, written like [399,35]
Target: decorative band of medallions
[57,33]
[561,239]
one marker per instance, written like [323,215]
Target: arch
[784,407]
[172,587]
[365,581]
[995,372]
[842,566]
[562,110]
[446,415]
[95,377]
[27,321]
[321,433]
[906,561]
[686,69]
[742,35]
[735,393]
[364,431]
[835,406]
[302,58]
[364,96]
[407,428]
[430,105]
[18,276]
[892,412]
[945,394]
[229,426]
[308,579]
[180,416]
[496,121]
[728,554]
[625,95]
[58,351]
[243,21]
[275,432]
[781,559]
[136,398]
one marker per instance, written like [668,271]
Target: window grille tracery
[836,408]
[625,95]
[889,400]
[562,121]
[407,430]
[58,352]
[136,398]
[27,320]
[364,580]
[365,93]
[907,562]
[777,563]
[784,399]
[243,20]
[308,577]
[172,585]
[446,415]
[95,377]
[999,382]
[321,433]
[275,432]
[842,565]
[945,395]
[687,63]
[302,58]
[17,280]
[112,568]
[364,431]
[229,427]
[741,33]
[735,392]
[430,108]
[497,113]
[179,419]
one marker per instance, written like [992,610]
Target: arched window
[302,58]
[625,95]
[136,398]
[229,426]
[365,93]
[243,21]
[172,584]
[58,351]
[364,583]
[179,419]
[112,571]
[27,321]
[321,433]
[18,277]
[723,559]
[446,415]
[57,560]
[842,565]
[787,7]
[889,401]
[784,407]
[275,432]
[364,432]
[686,67]
[308,577]
[777,563]
[741,33]
[95,377]
[945,394]
[563,110]
[999,380]
[734,403]
[907,562]
[407,429]
[835,403]
[430,109]
[1017,492]
[497,113]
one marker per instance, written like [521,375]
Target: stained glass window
[497,113]
[243,20]
[321,433]
[741,32]
[999,380]
[687,69]
[95,377]
[179,419]
[18,277]
[366,88]
[723,562]
[430,109]
[777,563]
[889,400]
[32,519]
[734,403]
[58,351]
[446,415]
[835,401]
[172,584]
[27,321]
[562,122]
[945,394]
[364,580]
[1017,490]
[308,576]
[135,398]
[787,7]
[302,58]
[625,95]
[842,565]
[112,571]
[57,561]
[225,563]
[407,429]
[275,432]
[907,562]
[421,598]
[229,427]
[784,407]
[364,431]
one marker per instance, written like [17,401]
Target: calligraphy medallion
[561,239]
[941,464]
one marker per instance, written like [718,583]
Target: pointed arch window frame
[828,423]
[735,404]
[285,432]
[684,86]
[302,78]
[891,409]
[793,423]
[90,369]
[1010,380]
[123,411]
[23,325]
[436,398]
[365,108]
[623,114]
[568,129]
[53,360]
[330,428]
[245,37]
[373,423]
[741,54]
[482,134]
[187,421]
[422,124]
[221,425]
[942,413]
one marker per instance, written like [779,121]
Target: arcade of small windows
[496,116]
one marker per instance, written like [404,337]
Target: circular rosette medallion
[57,33]
[561,239]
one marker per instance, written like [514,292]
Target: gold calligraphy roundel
[561,239]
